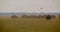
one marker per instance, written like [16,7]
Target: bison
[48,17]
[14,16]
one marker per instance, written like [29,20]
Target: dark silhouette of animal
[48,17]
[14,16]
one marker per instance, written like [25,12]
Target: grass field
[7,24]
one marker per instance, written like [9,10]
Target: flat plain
[7,24]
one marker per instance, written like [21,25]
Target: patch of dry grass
[8,24]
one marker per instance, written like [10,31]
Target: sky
[30,6]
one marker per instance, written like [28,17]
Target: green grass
[8,24]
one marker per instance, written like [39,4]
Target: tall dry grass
[7,24]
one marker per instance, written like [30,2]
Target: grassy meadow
[7,24]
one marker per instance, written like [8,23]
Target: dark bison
[24,16]
[48,17]
[14,16]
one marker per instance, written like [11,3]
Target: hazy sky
[29,5]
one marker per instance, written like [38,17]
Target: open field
[7,24]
